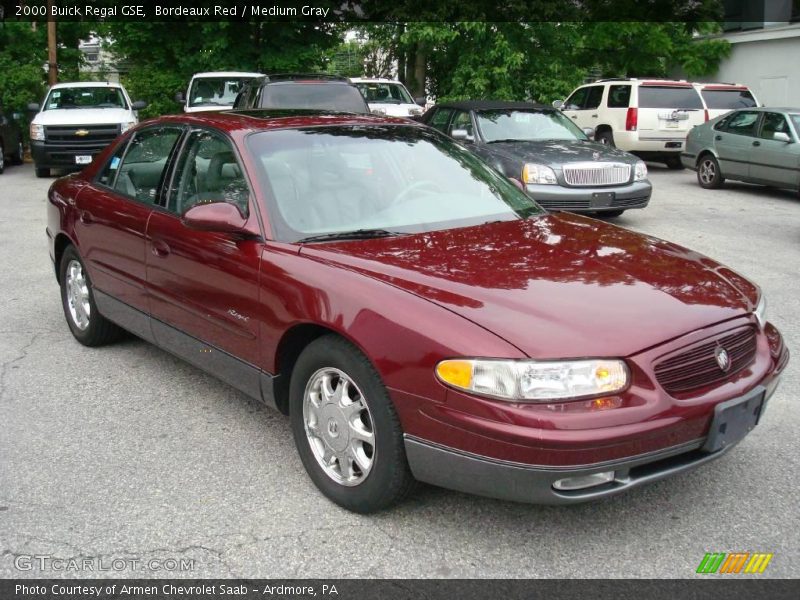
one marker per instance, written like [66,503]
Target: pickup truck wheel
[42,172]
[19,155]
[609,214]
[88,326]
[345,427]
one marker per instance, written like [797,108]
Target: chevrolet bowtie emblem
[82,132]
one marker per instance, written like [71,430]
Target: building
[99,63]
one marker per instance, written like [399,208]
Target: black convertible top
[491,105]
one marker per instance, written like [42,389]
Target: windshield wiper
[356,234]
[512,140]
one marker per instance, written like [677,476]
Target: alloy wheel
[708,171]
[78,295]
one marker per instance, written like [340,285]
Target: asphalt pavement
[132,462]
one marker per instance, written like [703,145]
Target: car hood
[556,286]
[558,152]
[83,116]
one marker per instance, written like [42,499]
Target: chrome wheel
[339,426]
[707,171]
[78,295]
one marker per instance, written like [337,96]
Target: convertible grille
[695,366]
[596,173]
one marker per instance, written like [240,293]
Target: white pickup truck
[77,121]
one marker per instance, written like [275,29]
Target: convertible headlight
[126,125]
[761,311]
[528,380]
[640,171]
[533,173]
[37,132]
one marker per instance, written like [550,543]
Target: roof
[492,105]
[374,80]
[80,84]
[226,74]
[265,119]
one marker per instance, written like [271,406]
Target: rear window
[728,99]
[320,96]
[652,96]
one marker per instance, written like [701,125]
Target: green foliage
[21,61]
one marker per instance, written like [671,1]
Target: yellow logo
[82,132]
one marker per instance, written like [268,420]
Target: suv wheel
[605,137]
[19,155]
[709,175]
[345,427]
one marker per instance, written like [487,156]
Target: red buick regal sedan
[417,316]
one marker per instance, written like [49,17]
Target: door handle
[160,249]
[718,137]
[756,143]
[85,217]
[574,117]
[594,116]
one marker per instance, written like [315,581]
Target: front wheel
[19,154]
[85,322]
[42,172]
[709,175]
[609,214]
[345,427]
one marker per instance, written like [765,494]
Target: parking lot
[125,452]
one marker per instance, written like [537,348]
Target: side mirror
[780,136]
[462,135]
[589,131]
[16,116]
[558,103]
[33,107]
[180,97]
[422,100]
[221,217]
[139,105]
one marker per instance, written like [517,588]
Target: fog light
[584,481]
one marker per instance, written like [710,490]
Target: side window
[143,165]
[109,173]
[619,96]
[722,124]
[208,172]
[743,123]
[577,100]
[774,123]
[594,97]
[462,121]
[440,119]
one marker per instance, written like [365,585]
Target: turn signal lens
[455,372]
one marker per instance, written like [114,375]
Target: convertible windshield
[398,179]
[215,91]
[384,93]
[508,124]
[85,97]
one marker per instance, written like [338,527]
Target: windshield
[796,121]
[510,124]
[397,178]
[728,99]
[384,93]
[215,91]
[652,96]
[85,97]
[316,95]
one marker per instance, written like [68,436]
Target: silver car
[756,145]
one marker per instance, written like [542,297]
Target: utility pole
[52,64]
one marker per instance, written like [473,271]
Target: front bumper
[593,199]
[61,156]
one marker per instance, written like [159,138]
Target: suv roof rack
[638,79]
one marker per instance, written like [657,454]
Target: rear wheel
[605,137]
[19,154]
[88,326]
[345,427]
[709,175]
[674,163]
[42,172]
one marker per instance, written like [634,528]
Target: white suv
[77,121]
[649,117]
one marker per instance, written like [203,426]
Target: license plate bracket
[83,159]
[734,419]
[603,199]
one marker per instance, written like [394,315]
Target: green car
[756,145]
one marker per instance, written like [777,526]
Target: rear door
[775,161]
[735,141]
[667,111]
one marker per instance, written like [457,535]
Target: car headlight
[378,111]
[126,125]
[37,132]
[530,380]
[415,111]
[761,311]
[533,173]
[640,171]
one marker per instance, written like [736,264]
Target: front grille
[565,204]
[96,136]
[695,366]
[596,173]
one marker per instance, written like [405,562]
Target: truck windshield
[215,91]
[85,97]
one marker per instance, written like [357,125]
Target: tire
[368,414]
[88,326]
[2,159]
[674,163]
[605,137]
[19,154]
[42,172]
[709,175]
[609,214]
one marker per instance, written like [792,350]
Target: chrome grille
[596,173]
[97,136]
[695,366]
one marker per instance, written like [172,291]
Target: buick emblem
[723,360]
[595,156]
